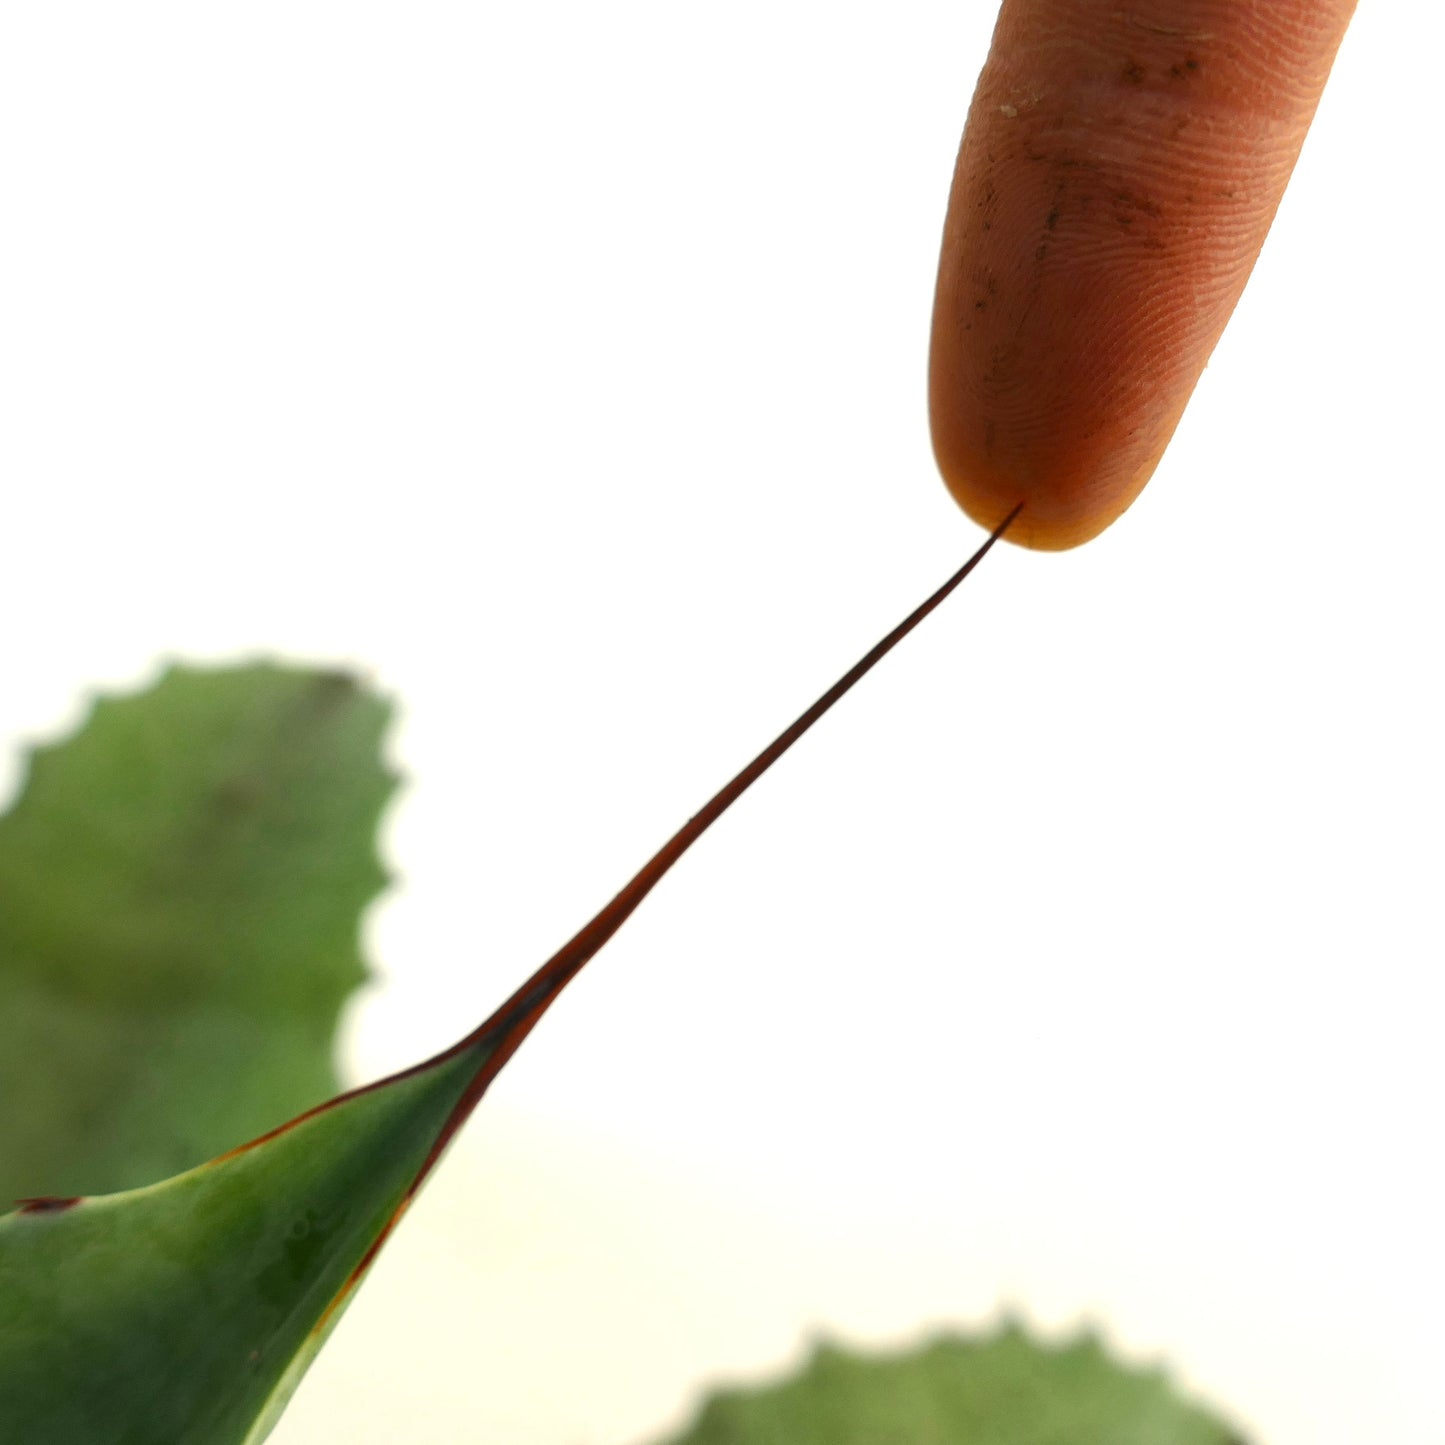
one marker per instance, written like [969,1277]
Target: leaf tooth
[48,1203]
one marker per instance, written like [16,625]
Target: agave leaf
[180,887]
[1000,1389]
[186,1313]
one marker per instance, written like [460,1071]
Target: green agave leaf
[185,1313]
[1002,1389]
[180,889]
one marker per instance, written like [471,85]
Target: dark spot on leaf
[239,794]
[47,1204]
[305,1243]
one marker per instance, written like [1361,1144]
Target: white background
[561,366]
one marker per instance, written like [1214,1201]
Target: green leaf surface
[181,885]
[186,1312]
[1001,1389]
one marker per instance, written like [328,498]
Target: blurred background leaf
[999,1389]
[181,885]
